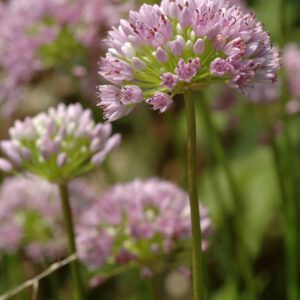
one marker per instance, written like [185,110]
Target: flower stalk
[290,209]
[288,183]
[197,257]
[65,202]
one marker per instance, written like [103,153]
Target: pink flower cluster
[183,44]
[59,145]
[30,216]
[28,25]
[139,221]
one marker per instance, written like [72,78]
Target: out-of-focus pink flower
[59,145]
[136,222]
[30,216]
[291,64]
[28,27]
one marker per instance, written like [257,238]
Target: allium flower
[58,145]
[30,216]
[38,34]
[180,45]
[140,222]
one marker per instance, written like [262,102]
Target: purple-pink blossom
[30,216]
[187,70]
[28,28]
[169,80]
[160,101]
[59,145]
[182,44]
[221,67]
[136,222]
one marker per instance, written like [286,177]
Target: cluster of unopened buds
[184,44]
[58,145]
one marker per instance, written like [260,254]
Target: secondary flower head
[183,44]
[31,219]
[137,222]
[39,35]
[58,145]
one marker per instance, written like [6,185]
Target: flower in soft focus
[36,35]
[31,219]
[184,44]
[58,145]
[291,64]
[139,222]
[264,92]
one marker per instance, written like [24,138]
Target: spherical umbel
[139,222]
[180,45]
[58,145]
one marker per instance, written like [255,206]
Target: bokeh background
[154,145]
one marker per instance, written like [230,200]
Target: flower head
[136,222]
[58,145]
[185,44]
[55,32]
[31,219]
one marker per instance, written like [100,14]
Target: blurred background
[60,65]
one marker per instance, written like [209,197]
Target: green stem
[145,290]
[153,291]
[54,284]
[235,217]
[287,200]
[291,237]
[65,202]
[15,272]
[197,257]
[289,179]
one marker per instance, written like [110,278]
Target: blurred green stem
[145,289]
[290,209]
[65,202]
[288,177]
[15,272]
[153,288]
[197,256]
[291,241]
[219,152]
[54,284]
